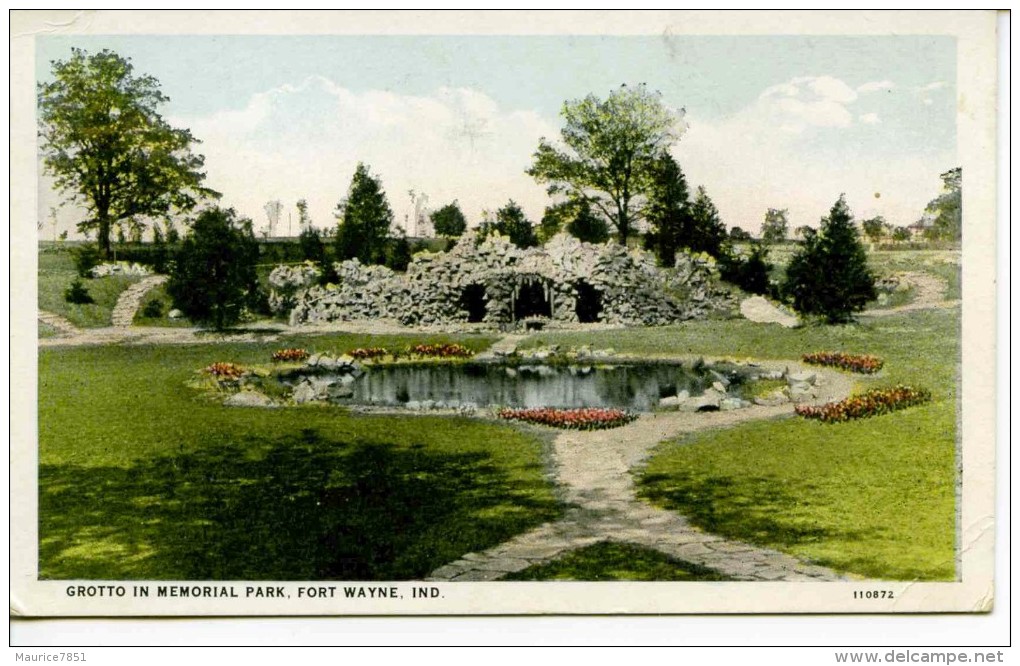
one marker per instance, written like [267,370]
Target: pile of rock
[695,279]
[800,387]
[120,268]
[325,378]
[361,293]
[629,288]
[286,282]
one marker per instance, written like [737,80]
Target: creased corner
[80,21]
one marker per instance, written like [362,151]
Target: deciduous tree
[608,153]
[449,221]
[946,210]
[107,147]
[775,226]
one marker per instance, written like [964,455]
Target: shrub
[398,253]
[872,403]
[290,355]
[153,309]
[214,280]
[85,257]
[78,294]
[864,364]
[750,274]
[586,418]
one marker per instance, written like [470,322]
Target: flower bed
[871,403]
[588,418]
[224,371]
[290,355]
[441,350]
[862,363]
[367,353]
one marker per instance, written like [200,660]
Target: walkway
[63,326]
[929,293]
[594,469]
[131,299]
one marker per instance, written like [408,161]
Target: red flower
[864,364]
[586,418]
[440,350]
[290,355]
[366,353]
[871,403]
[222,370]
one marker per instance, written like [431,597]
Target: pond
[636,386]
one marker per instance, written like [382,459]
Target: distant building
[421,224]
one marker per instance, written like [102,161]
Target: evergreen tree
[311,245]
[668,211]
[512,223]
[750,274]
[365,219]
[679,223]
[214,277]
[829,276]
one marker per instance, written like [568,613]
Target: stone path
[505,346]
[929,293]
[131,299]
[63,326]
[594,470]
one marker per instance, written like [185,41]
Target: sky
[771,121]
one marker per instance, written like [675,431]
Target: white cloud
[304,141]
[806,101]
[934,85]
[767,156]
[875,86]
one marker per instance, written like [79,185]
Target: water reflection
[635,386]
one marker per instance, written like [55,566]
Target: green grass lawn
[616,561]
[158,293]
[141,477]
[47,331]
[56,272]
[874,497]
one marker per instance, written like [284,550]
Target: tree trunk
[104,236]
[622,227]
